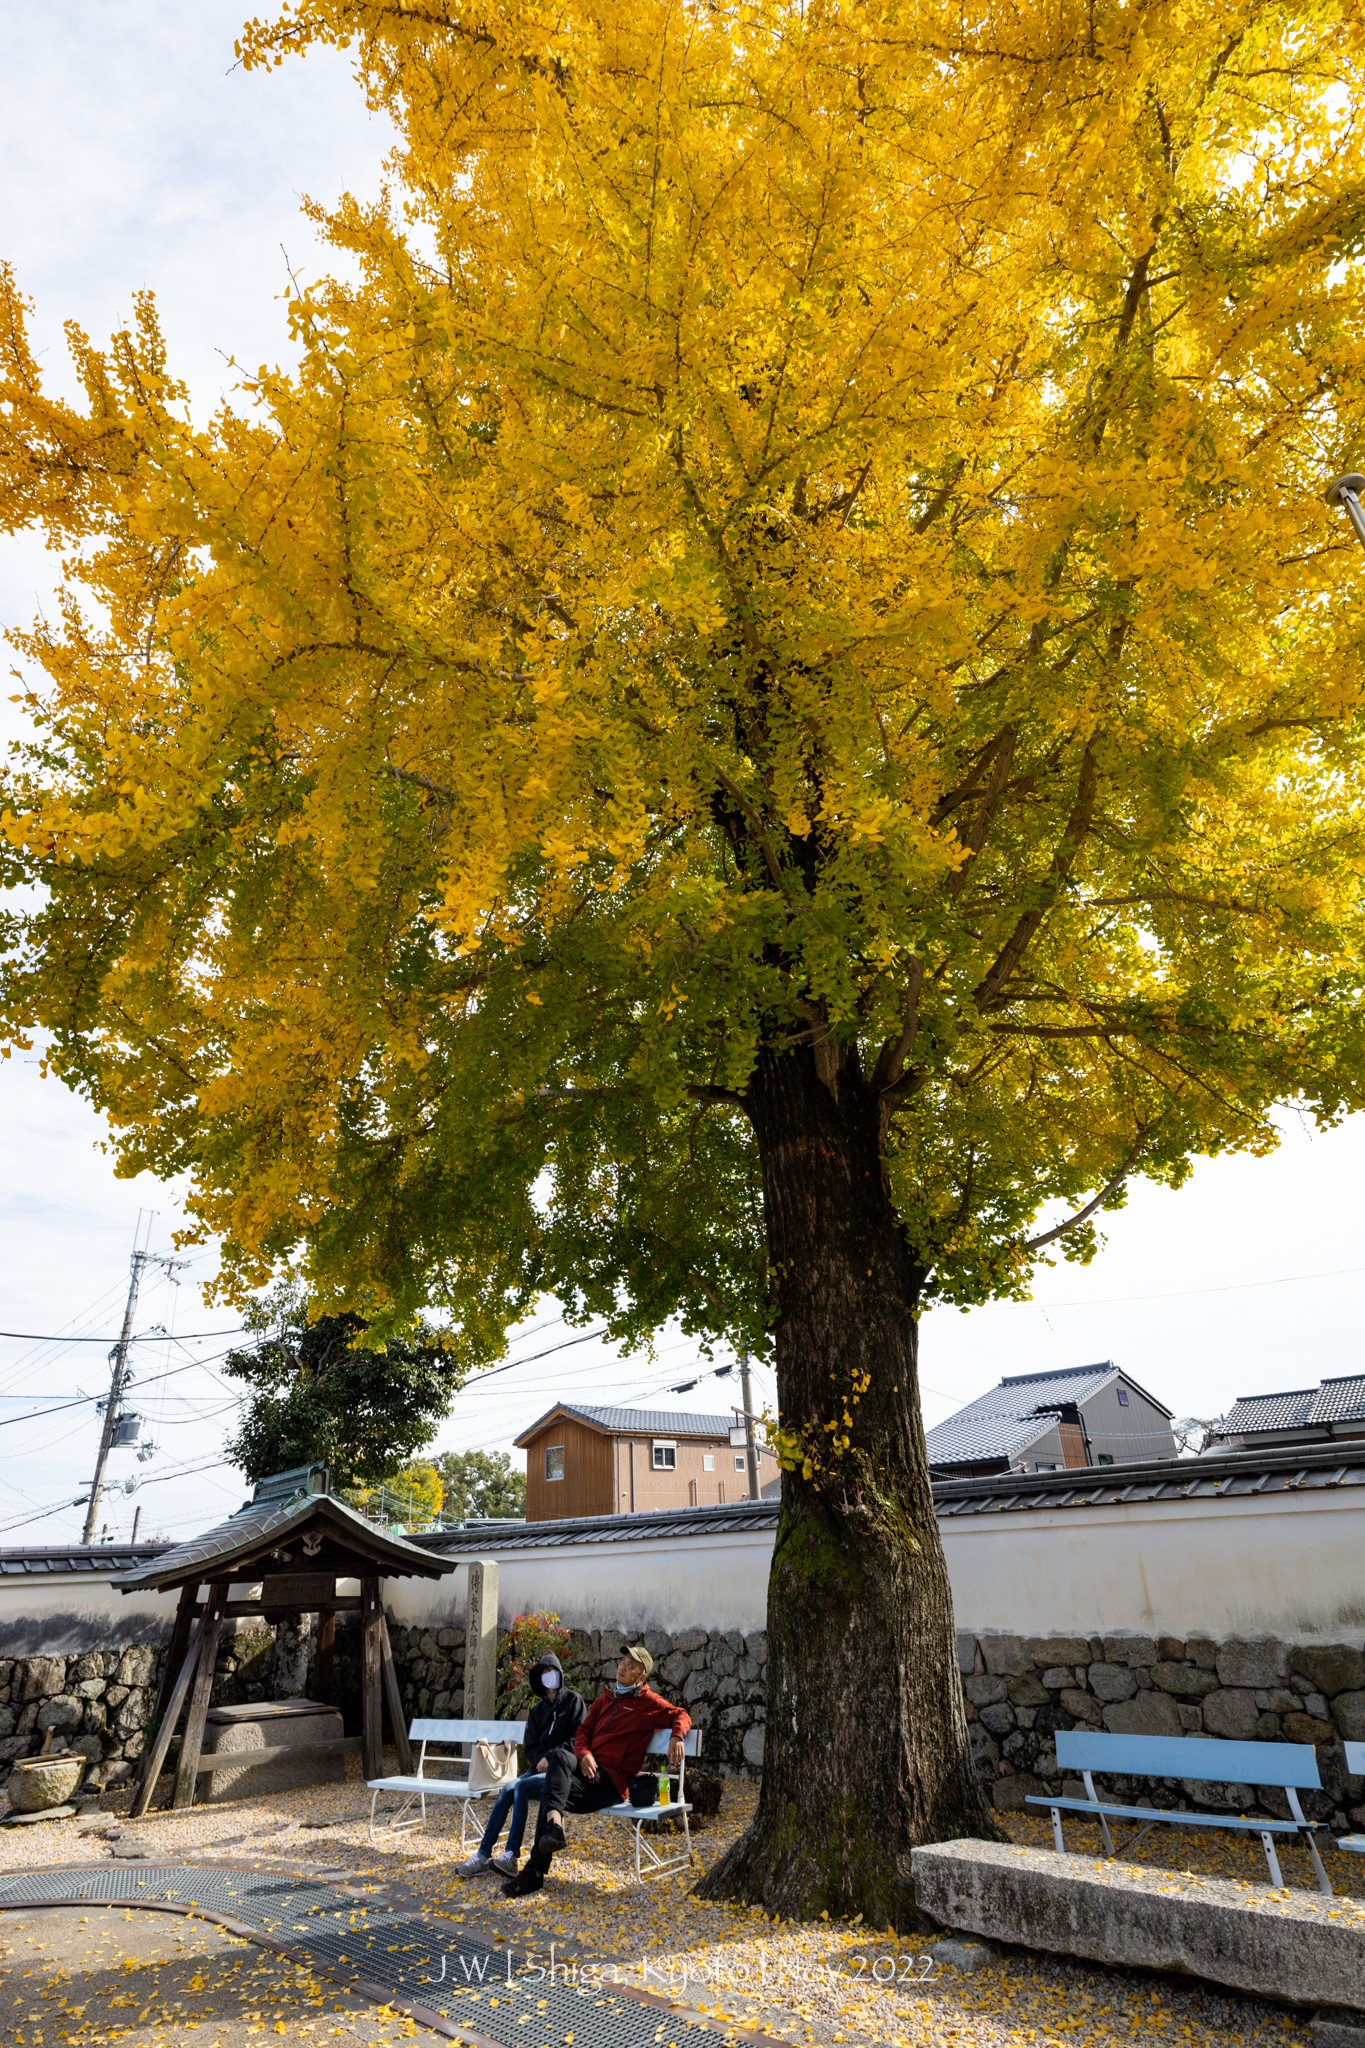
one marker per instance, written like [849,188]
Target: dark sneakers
[552,1836]
[532,1877]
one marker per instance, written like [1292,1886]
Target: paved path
[466,1989]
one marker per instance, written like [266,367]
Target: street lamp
[1346,490]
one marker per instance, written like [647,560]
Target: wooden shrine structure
[288,1549]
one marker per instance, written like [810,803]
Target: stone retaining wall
[718,1676]
[98,1704]
[1020,1690]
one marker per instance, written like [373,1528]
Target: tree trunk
[867,1749]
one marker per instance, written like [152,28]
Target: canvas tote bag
[492,1765]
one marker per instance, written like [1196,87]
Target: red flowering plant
[530,1637]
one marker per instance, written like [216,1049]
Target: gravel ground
[805,1983]
[146,1980]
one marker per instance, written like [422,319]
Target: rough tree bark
[867,1748]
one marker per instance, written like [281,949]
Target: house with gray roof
[1331,1413]
[584,1460]
[1053,1421]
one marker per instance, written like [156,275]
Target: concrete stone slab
[1300,1947]
[294,1725]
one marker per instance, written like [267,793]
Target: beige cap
[640,1655]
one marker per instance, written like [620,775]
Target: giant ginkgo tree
[769,711]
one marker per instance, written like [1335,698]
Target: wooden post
[192,1743]
[372,1722]
[176,1648]
[155,1757]
[324,1670]
[393,1697]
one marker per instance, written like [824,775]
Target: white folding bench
[421,1786]
[648,1861]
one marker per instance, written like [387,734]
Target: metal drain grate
[485,1989]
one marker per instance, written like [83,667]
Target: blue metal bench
[1355,1764]
[1292,1766]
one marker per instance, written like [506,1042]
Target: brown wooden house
[623,1461]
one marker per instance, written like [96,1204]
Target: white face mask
[550,1680]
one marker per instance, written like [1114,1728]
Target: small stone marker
[22,1820]
[481,1640]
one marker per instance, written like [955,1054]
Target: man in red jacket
[606,1754]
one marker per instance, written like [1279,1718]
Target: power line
[152,1337]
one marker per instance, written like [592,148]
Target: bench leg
[1057,1840]
[1272,1861]
[1107,1837]
[1324,1881]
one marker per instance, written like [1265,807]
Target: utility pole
[1346,492]
[118,1377]
[750,1447]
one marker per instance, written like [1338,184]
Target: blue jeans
[514,1799]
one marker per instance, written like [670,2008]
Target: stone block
[1338,2030]
[89,1666]
[1112,1681]
[985,1749]
[1056,1676]
[1330,1667]
[1004,1654]
[137,1666]
[8,1717]
[1348,1711]
[273,1724]
[1082,1706]
[41,1678]
[1170,1649]
[1256,1662]
[966,1956]
[752,1747]
[1306,1728]
[982,1688]
[1147,1713]
[1203,1651]
[89,1688]
[1191,1720]
[1232,1712]
[1294,1946]
[1186,1681]
[966,1652]
[999,1718]
[674,1669]
[1025,1691]
[1130,1649]
[1058,1649]
[63,1714]
[689,1639]
[1008,1794]
[722,1659]
[132,1715]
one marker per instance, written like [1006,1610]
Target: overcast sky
[136,155]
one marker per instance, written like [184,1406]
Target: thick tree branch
[990,988]
[1033,1244]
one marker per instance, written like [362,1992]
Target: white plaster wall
[718,1582]
[1289,1564]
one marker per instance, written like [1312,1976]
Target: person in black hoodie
[552,1722]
